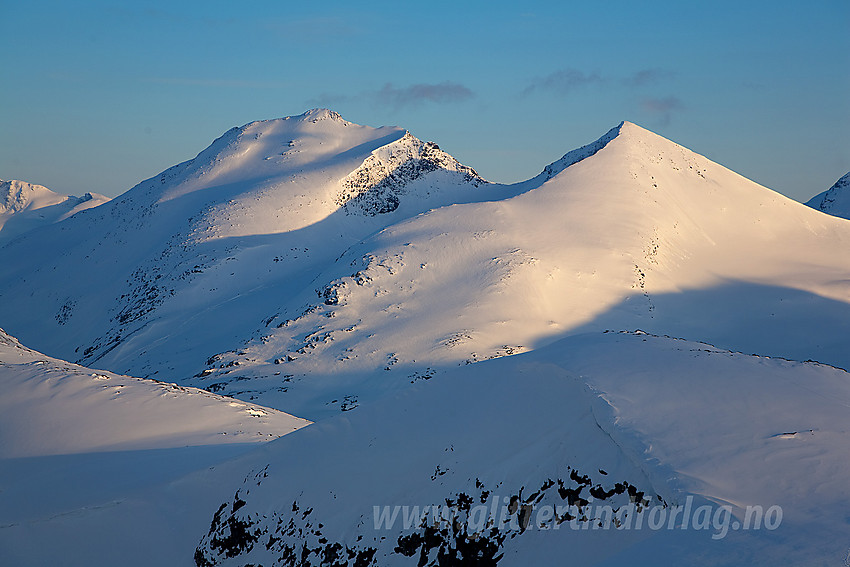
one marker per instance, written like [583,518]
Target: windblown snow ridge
[584,152]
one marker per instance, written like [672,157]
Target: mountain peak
[259,128]
[635,144]
[24,206]
[634,132]
[626,126]
[317,114]
[273,152]
[284,174]
[15,195]
[392,170]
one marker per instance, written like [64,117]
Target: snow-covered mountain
[835,200]
[641,234]
[485,335]
[312,264]
[25,206]
[200,252]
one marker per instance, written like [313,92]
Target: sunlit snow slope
[312,264]
[186,264]
[641,234]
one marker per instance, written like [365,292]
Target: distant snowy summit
[835,200]
[24,206]
[277,175]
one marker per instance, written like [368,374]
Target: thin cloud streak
[447,92]
[563,81]
[440,93]
[646,77]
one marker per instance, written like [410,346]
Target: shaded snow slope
[590,421]
[25,206]
[77,444]
[51,407]
[835,200]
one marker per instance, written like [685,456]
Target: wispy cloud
[563,81]
[662,108]
[646,77]
[446,92]
[440,93]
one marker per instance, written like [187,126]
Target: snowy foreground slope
[536,453]
[835,200]
[311,264]
[593,420]
[25,206]
[73,440]
[51,407]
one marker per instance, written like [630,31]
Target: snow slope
[183,265]
[24,206]
[591,420]
[835,200]
[641,233]
[51,407]
[317,267]
[76,441]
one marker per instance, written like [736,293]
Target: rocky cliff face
[377,186]
[835,200]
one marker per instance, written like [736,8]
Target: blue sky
[100,95]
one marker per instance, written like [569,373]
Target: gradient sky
[98,96]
